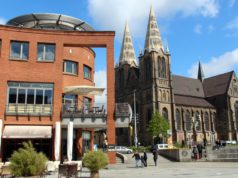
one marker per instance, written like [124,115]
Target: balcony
[29,109]
[96,116]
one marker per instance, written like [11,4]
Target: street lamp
[135,128]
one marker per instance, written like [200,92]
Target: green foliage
[158,125]
[140,148]
[95,160]
[27,162]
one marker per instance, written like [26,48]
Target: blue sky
[205,30]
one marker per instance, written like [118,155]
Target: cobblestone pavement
[167,169]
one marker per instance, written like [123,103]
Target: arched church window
[165,114]
[178,120]
[197,119]
[207,123]
[188,121]
[236,112]
[121,78]
[147,69]
[164,96]
[163,68]
[159,67]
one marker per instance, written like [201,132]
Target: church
[196,109]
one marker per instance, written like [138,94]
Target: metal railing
[29,109]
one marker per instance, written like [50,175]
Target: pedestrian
[145,158]
[137,158]
[199,147]
[155,156]
[195,152]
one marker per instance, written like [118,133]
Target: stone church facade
[197,109]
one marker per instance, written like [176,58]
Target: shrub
[27,162]
[95,160]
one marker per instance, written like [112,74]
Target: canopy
[83,90]
[20,131]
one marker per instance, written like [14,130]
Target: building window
[87,72]
[29,98]
[198,120]
[45,52]
[19,50]
[149,116]
[207,123]
[148,69]
[165,114]
[188,121]
[178,119]
[87,102]
[163,68]
[71,67]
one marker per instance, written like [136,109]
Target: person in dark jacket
[137,158]
[155,156]
[145,159]
[200,147]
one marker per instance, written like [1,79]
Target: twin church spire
[153,41]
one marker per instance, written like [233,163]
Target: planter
[95,174]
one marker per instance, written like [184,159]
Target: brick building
[47,82]
[197,109]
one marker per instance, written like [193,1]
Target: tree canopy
[158,125]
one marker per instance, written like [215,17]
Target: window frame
[44,59]
[90,72]
[65,67]
[21,50]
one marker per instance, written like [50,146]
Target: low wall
[223,155]
[181,155]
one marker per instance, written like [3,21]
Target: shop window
[70,67]
[19,50]
[45,52]
[87,72]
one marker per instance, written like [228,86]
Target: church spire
[200,72]
[153,39]
[127,55]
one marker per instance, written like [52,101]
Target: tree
[158,126]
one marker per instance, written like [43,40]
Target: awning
[83,90]
[20,131]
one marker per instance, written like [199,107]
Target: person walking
[155,156]
[199,147]
[145,159]
[137,158]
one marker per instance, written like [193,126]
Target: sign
[169,132]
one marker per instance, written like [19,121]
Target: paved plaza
[167,169]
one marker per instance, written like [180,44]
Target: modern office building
[197,109]
[47,86]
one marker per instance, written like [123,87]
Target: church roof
[127,55]
[217,85]
[187,86]
[153,40]
[191,101]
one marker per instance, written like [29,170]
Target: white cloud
[100,79]
[2,21]
[217,65]
[233,24]
[112,14]
[198,29]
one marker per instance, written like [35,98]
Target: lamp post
[135,128]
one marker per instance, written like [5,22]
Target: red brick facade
[71,45]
